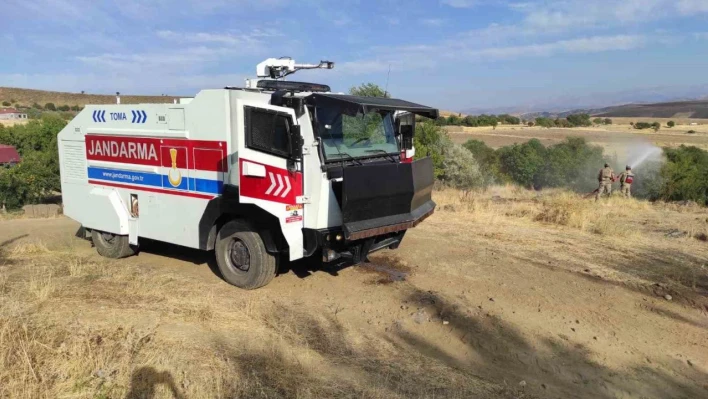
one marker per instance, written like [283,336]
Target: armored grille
[267,131]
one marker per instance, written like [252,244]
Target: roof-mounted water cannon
[274,69]
[278,68]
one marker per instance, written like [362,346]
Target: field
[27,97]
[500,294]
[617,134]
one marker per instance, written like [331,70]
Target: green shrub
[577,120]
[38,174]
[656,126]
[691,132]
[461,171]
[50,107]
[598,121]
[430,140]
[642,125]
[6,103]
[523,163]
[545,122]
[670,123]
[608,121]
[487,159]
[685,175]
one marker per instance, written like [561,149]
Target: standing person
[626,178]
[605,178]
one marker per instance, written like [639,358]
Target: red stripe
[256,187]
[137,151]
[152,190]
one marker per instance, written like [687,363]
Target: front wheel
[111,245]
[242,257]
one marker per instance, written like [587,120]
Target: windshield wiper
[383,152]
[349,157]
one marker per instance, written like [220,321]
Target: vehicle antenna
[387,79]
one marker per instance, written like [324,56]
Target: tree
[470,121]
[598,121]
[368,90]
[430,140]
[63,108]
[486,157]
[656,126]
[6,103]
[441,121]
[608,121]
[577,120]
[545,122]
[36,106]
[523,163]
[454,120]
[530,123]
[50,107]
[642,125]
[671,124]
[76,108]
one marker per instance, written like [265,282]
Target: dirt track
[536,310]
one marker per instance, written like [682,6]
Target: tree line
[37,176]
[572,164]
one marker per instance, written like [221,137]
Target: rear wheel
[242,256]
[111,245]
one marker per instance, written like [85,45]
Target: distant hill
[693,109]
[27,97]
[697,109]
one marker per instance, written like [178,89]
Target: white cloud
[460,3]
[435,22]
[253,38]
[692,6]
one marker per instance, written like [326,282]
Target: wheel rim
[238,255]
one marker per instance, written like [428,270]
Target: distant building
[11,114]
[8,155]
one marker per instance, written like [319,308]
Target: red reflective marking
[270,188]
[152,190]
[209,159]
[139,151]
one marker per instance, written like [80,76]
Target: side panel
[265,181]
[172,157]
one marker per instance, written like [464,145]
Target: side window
[267,131]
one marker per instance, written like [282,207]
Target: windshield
[360,136]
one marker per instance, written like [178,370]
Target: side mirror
[405,125]
[407,136]
[296,142]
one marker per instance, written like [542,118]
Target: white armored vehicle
[275,170]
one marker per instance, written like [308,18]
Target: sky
[452,54]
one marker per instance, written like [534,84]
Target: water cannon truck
[274,171]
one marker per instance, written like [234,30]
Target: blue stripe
[155,180]
[125,176]
[207,186]
[183,185]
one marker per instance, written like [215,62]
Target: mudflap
[379,199]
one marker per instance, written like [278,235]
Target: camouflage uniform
[605,177]
[626,178]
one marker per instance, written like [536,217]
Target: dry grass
[75,325]
[609,217]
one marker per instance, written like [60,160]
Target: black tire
[242,257]
[111,245]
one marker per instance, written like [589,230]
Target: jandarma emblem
[174,181]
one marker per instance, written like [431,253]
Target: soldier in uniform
[605,177]
[626,178]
